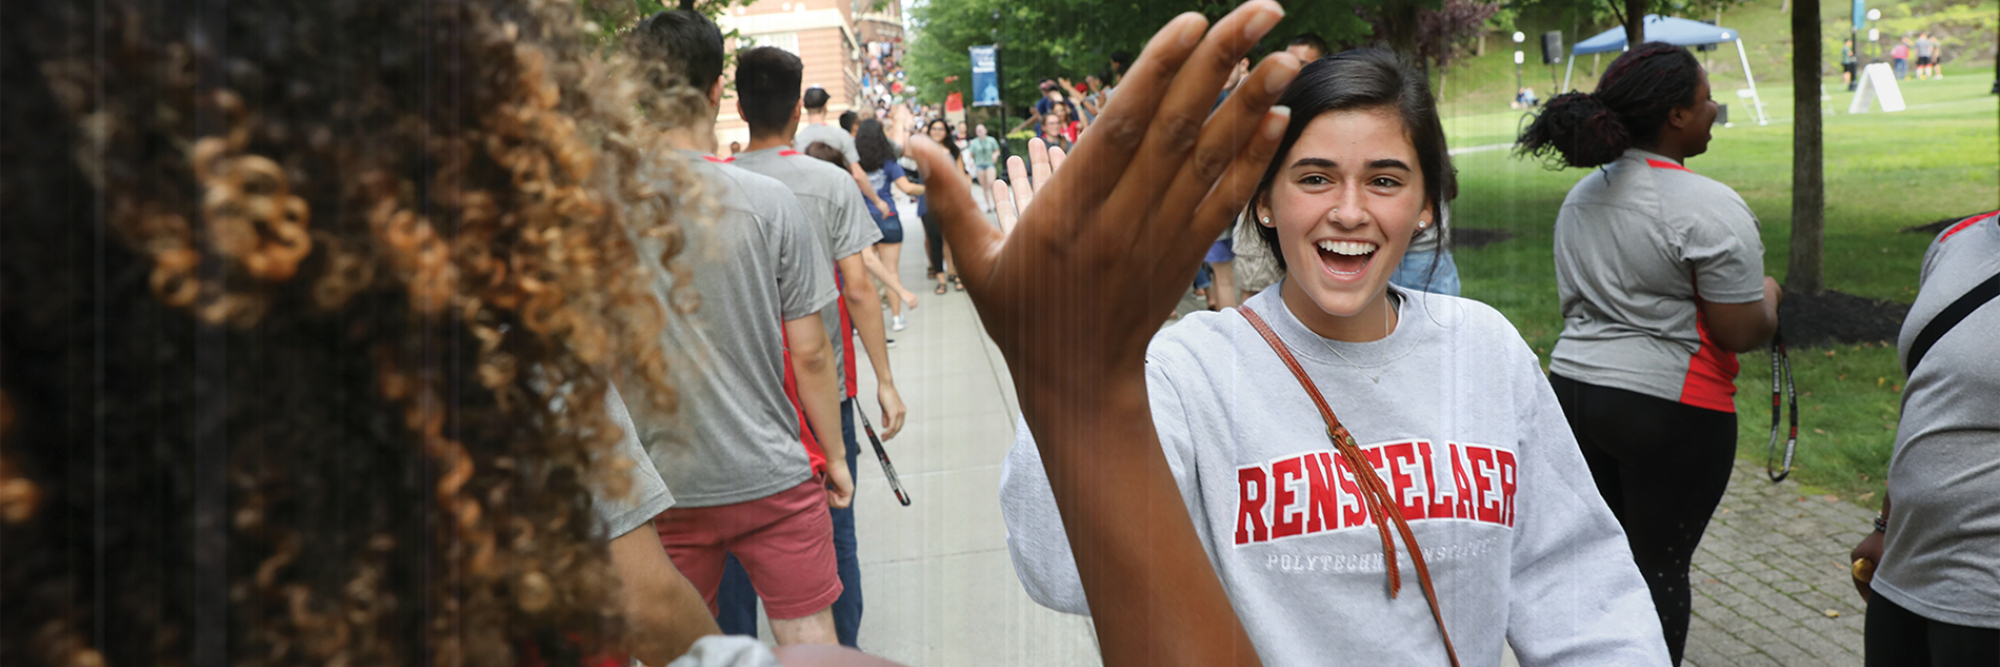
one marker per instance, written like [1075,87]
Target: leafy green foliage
[1072,38]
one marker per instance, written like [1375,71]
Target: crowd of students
[346,373]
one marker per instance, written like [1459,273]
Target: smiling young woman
[1447,433]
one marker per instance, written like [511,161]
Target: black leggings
[1662,467]
[934,241]
[1898,636]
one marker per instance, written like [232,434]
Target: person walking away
[731,452]
[869,260]
[934,245]
[1443,400]
[816,129]
[1927,570]
[985,151]
[1849,67]
[1660,272]
[878,161]
[767,84]
[1900,55]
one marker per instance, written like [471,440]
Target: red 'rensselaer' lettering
[1405,488]
[1441,500]
[1313,492]
[1253,489]
[1324,505]
[1287,514]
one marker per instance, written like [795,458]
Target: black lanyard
[1783,395]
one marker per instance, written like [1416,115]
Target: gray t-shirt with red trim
[830,135]
[1942,554]
[1637,242]
[834,205]
[735,437]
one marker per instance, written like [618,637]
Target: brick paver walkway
[1771,568]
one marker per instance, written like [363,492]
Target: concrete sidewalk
[938,585]
[940,589]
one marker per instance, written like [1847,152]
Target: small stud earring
[1267,221]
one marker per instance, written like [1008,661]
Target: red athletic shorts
[784,540]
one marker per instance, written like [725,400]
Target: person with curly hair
[303,342]
[1661,275]
[311,369]
[744,485]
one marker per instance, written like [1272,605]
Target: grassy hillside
[1483,84]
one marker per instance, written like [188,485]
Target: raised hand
[1123,226]
[1093,249]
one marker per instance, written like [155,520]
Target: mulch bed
[1831,318]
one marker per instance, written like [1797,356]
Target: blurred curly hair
[308,310]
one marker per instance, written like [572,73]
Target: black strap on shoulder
[1948,318]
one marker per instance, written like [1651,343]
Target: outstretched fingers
[974,243]
[1230,193]
[1187,105]
[1122,126]
[1003,206]
[1225,137]
[1017,178]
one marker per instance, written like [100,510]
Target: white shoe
[891,343]
[897,323]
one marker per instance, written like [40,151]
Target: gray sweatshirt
[1459,421]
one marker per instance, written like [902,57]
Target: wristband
[1881,523]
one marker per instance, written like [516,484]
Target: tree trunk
[1635,22]
[1808,154]
[1399,19]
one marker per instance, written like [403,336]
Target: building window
[789,41]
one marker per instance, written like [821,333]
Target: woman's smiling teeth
[1345,260]
[1347,247]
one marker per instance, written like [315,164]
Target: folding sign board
[1878,82]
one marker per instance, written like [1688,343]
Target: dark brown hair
[1630,105]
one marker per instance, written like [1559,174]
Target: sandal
[940,289]
[957,284]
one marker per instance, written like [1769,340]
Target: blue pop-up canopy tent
[1676,31]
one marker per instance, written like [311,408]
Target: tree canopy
[1072,38]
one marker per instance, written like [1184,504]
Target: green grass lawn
[1479,84]
[1941,158]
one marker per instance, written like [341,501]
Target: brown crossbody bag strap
[1381,504]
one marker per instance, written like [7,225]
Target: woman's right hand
[1123,226]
